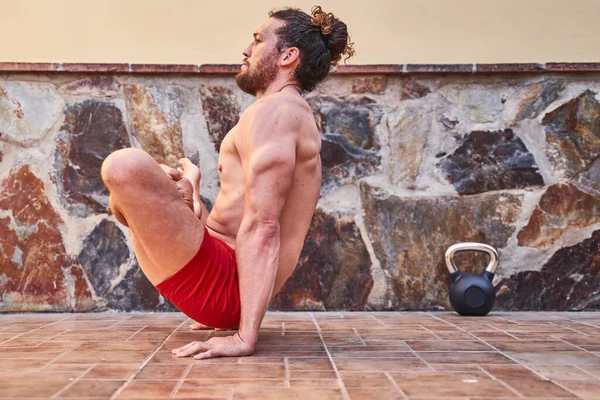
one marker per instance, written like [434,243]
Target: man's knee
[124,167]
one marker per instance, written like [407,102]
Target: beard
[259,78]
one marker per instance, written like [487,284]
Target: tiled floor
[305,356]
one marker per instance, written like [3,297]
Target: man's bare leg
[166,234]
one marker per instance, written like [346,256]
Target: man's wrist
[248,337]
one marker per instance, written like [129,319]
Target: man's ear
[290,56]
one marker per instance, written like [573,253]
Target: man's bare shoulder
[279,109]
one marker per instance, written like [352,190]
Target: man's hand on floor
[219,346]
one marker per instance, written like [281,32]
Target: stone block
[37,274]
[570,280]
[154,120]
[350,148]
[562,207]
[573,134]
[487,161]
[92,130]
[334,270]
[410,236]
[27,111]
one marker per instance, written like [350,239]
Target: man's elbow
[267,228]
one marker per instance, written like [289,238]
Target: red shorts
[206,289]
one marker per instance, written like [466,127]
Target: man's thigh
[165,232]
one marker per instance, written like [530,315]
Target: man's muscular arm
[267,149]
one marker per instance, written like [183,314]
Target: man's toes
[198,326]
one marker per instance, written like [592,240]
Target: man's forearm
[258,258]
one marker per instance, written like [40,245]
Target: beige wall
[216,31]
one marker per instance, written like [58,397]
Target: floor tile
[92,388]
[203,392]
[260,360]
[375,364]
[155,371]
[366,380]
[588,390]
[397,334]
[191,384]
[291,393]
[239,371]
[464,357]
[268,346]
[556,358]
[23,342]
[118,346]
[580,340]
[314,383]
[592,369]
[532,346]
[21,365]
[31,353]
[102,357]
[436,384]
[155,388]
[400,346]
[509,371]
[451,335]
[166,357]
[371,354]
[279,353]
[33,385]
[566,372]
[310,364]
[111,371]
[299,374]
[379,394]
[65,367]
[455,367]
[448,345]
[535,387]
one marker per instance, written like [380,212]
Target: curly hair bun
[335,34]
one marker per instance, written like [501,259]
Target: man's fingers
[198,346]
[177,350]
[207,354]
[183,162]
[184,348]
[175,174]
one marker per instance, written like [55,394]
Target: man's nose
[248,50]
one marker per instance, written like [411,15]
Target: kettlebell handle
[472,246]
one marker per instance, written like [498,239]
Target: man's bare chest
[230,164]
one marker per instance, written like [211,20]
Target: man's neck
[276,87]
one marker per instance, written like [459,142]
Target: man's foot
[201,327]
[192,173]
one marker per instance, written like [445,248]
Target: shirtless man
[222,269]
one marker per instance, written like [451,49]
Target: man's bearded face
[257,77]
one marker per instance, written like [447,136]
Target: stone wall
[412,164]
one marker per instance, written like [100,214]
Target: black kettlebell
[472,294]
